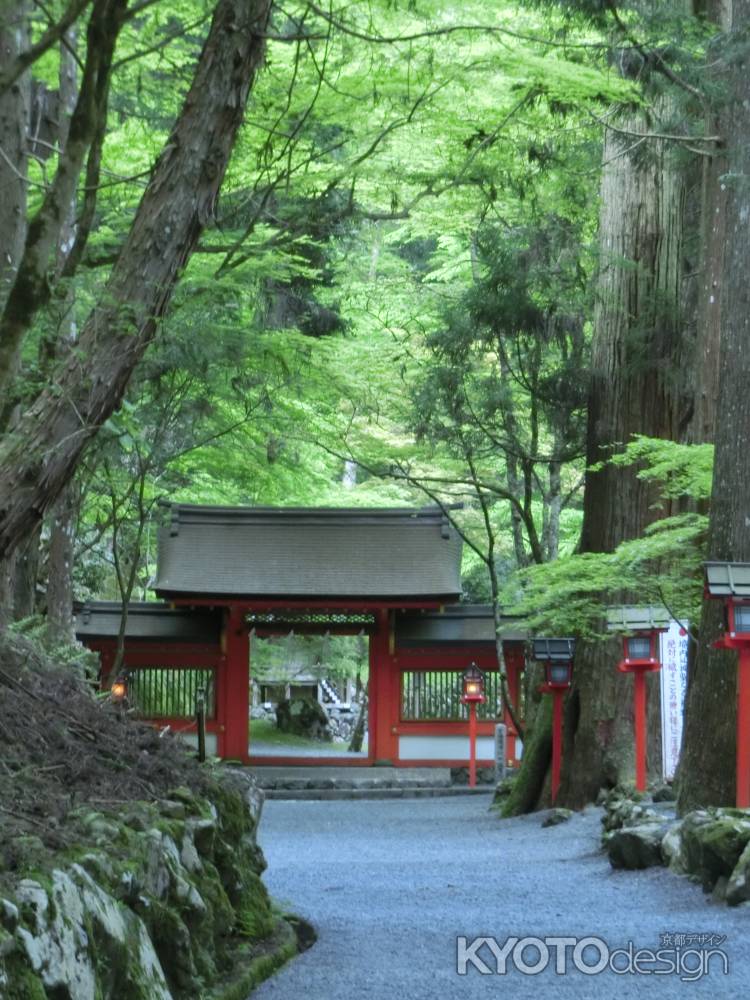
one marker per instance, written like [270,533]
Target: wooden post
[472,744]
[557,718]
[235,686]
[743,727]
[639,704]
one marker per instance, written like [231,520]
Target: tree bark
[60,567]
[713,235]
[634,389]
[529,786]
[14,125]
[31,287]
[41,456]
[15,103]
[64,519]
[707,770]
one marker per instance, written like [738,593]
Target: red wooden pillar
[515,664]
[557,733]
[472,744]
[743,728]
[384,693]
[234,687]
[639,704]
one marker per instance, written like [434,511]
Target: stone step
[329,777]
[403,792]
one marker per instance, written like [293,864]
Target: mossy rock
[191,802]
[635,847]
[27,854]
[21,983]
[738,885]
[303,717]
[502,791]
[557,816]
[712,845]
[254,915]
[173,946]
[256,963]
[625,812]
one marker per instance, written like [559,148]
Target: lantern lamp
[640,628]
[638,647]
[559,674]
[118,691]
[740,618]
[473,681]
[557,657]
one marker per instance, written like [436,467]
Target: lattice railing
[170,692]
[435,695]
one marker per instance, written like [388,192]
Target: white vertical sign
[674,654]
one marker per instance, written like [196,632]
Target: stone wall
[163,901]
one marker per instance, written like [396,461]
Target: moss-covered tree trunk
[707,772]
[528,787]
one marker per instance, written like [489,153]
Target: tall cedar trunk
[41,457]
[707,772]
[633,390]
[14,123]
[712,233]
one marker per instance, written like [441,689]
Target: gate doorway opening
[308,695]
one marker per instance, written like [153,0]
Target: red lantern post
[730,582]
[642,627]
[557,656]
[473,695]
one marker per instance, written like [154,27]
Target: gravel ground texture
[392,886]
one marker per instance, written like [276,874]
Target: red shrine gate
[230,572]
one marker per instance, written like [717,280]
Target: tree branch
[50,37]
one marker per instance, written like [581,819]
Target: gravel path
[391,885]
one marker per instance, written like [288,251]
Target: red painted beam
[175,657]
[445,659]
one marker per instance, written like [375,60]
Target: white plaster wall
[443,748]
[211,742]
